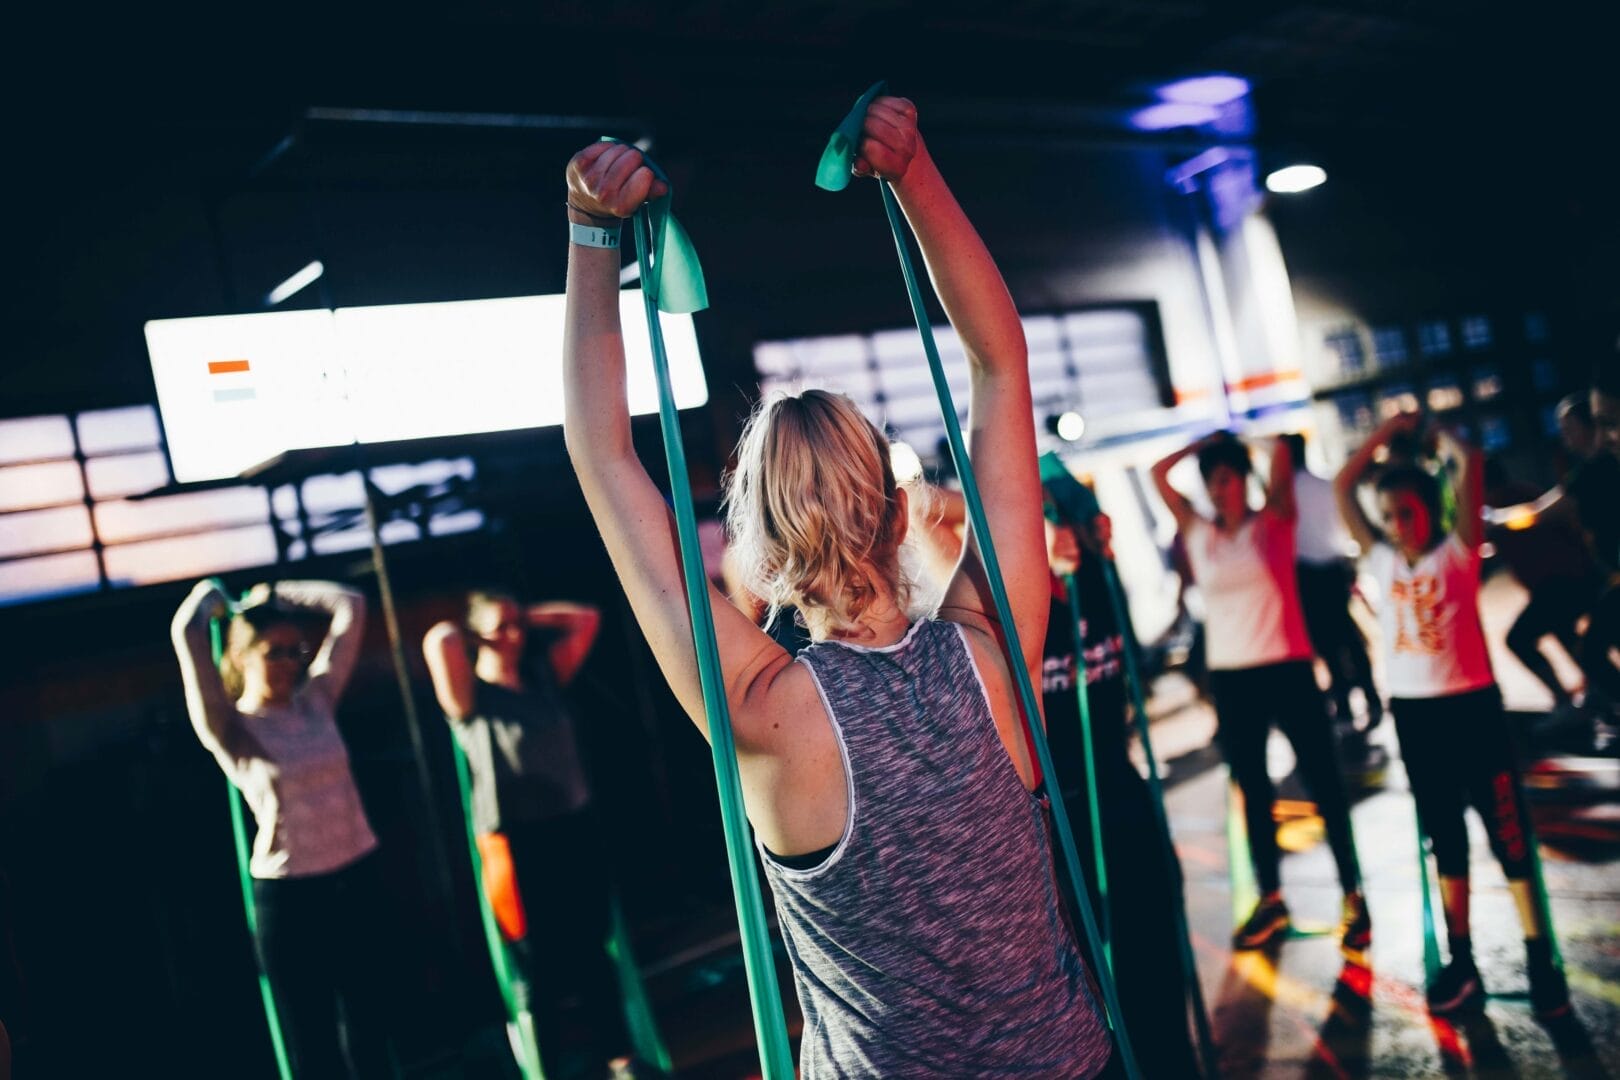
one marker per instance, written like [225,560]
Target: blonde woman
[884,770]
[266,713]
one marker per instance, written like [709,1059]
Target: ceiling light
[1205,90]
[1173,114]
[1295,178]
[1070,426]
[305,277]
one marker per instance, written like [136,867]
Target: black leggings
[1247,703]
[1143,887]
[1555,606]
[1458,751]
[1602,635]
[320,941]
[566,888]
[1324,596]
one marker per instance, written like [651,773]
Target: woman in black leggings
[1259,659]
[1448,711]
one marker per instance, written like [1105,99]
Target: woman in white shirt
[1448,712]
[1260,670]
[266,713]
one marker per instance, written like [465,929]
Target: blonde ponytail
[813,510]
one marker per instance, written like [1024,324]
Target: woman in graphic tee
[1260,672]
[1448,713]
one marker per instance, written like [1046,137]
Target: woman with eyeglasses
[266,713]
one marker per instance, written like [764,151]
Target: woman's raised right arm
[1364,532]
[213,713]
[607,181]
[445,650]
[1180,507]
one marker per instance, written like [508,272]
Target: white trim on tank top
[809,873]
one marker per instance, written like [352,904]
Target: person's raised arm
[1280,501]
[576,626]
[340,650]
[1350,476]
[607,182]
[1469,483]
[213,713]
[1181,508]
[1001,417]
[450,666]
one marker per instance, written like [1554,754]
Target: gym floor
[1299,1010]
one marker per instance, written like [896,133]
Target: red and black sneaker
[1456,988]
[1270,919]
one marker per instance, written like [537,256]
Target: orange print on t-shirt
[1417,616]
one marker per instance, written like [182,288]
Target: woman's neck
[257,697]
[1232,524]
[879,626]
[493,667]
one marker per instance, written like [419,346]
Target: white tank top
[1434,645]
[1251,592]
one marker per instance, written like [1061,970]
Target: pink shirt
[1250,587]
[1434,645]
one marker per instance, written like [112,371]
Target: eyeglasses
[286,652]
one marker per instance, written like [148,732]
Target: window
[1434,338]
[1476,332]
[1107,364]
[82,508]
[1535,328]
[1344,344]
[1389,345]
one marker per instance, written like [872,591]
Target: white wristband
[591,236]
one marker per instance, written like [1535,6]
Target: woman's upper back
[935,920]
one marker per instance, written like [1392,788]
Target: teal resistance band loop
[1543,903]
[1189,963]
[1426,886]
[272,1017]
[1239,861]
[765,997]
[514,988]
[1015,650]
[1083,697]
[645,1037]
[843,144]
[670,271]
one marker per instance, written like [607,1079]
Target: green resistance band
[514,987]
[1428,885]
[272,1018]
[841,150]
[1240,867]
[645,1036]
[1083,697]
[672,281]
[1194,990]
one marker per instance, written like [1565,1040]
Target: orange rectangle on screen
[220,367]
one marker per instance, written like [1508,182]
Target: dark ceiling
[124,126]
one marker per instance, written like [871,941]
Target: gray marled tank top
[930,942]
